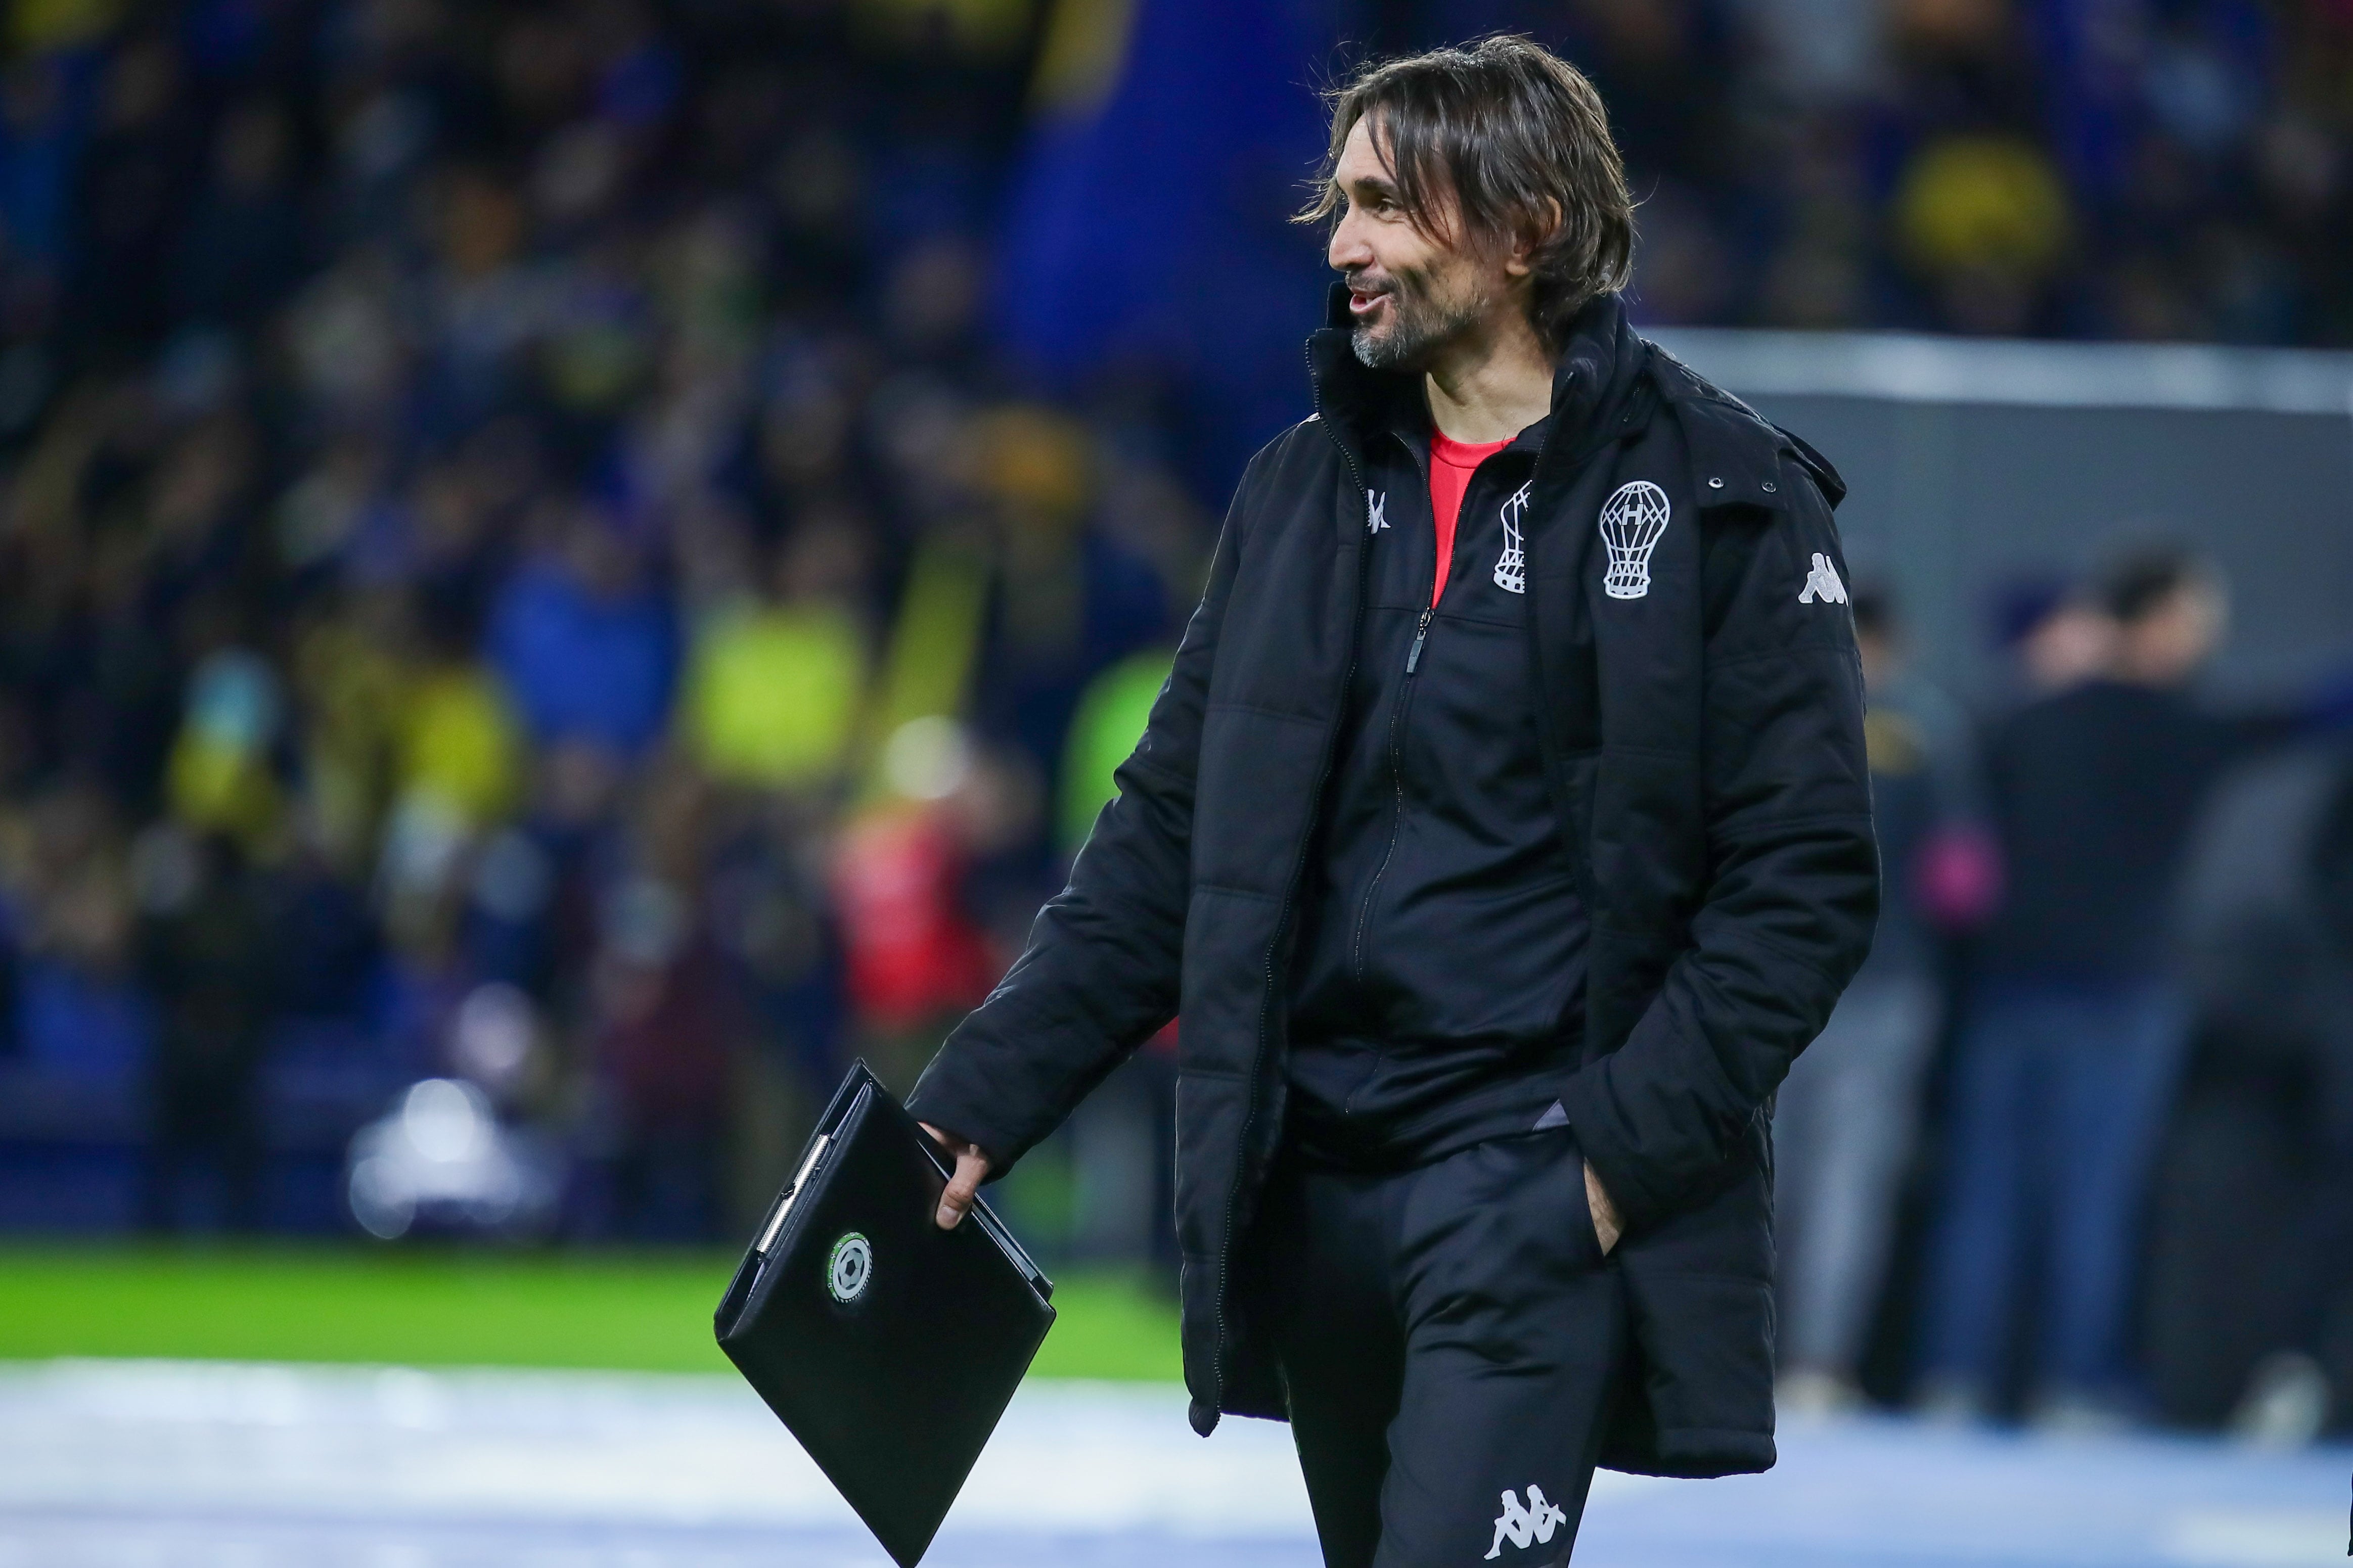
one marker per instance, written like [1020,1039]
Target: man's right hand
[971,1169]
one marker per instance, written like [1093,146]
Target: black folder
[889,1346]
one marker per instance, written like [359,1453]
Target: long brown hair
[1520,137]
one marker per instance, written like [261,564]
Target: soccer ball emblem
[849,1268]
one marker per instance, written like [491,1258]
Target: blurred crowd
[518,567]
[2081,1131]
[2157,169]
[537,620]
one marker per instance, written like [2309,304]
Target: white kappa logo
[1512,565]
[1376,506]
[1631,520]
[1822,583]
[1521,1525]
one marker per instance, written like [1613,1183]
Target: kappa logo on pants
[1519,1525]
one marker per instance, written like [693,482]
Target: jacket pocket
[1699,1295]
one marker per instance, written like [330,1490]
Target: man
[1502,833]
[2067,1062]
[2251,1203]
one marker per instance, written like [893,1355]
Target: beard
[1419,323]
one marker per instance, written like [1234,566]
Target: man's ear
[1520,261]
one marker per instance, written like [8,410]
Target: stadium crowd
[521,559]
[518,563]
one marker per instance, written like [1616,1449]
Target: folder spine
[785,1204]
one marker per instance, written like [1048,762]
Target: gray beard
[1422,327]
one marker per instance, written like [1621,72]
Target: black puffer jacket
[1438,980]
[1702,726]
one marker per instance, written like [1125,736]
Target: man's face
[1412,294]
[2167,644]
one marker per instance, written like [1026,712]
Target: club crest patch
[1512,565]
[1633,519]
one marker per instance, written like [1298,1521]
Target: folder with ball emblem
[888,1346]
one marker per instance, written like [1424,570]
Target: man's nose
[1347,249]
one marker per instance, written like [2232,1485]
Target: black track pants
[1450,1338]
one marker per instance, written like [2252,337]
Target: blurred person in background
[2075,1026]
[1111,717]
[1844,1118]
[667,1022]
[207,956]
[138,174]
[916,956]
[81,1016]
[772,712]
[457,750]
[348,667]
[226,766]
[2055,635]
[2250,1296]
[583,638]
[776,686]
[246,241]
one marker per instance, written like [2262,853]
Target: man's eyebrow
[1375,185]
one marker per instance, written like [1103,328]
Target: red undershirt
[1451,465]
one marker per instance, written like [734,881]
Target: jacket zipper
[1290,890]
[1397,772]
[1397,790]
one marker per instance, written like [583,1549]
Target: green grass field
[638,1311]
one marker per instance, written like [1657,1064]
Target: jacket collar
[1600,360]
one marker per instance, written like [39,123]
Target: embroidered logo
[849,1268]
[1631,520]
[1521,1525]
[1377,504]
[1512,565]
[1822,583]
